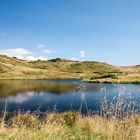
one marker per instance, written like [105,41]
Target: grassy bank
[127,81]
[69,126]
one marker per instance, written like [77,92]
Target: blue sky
[99,30]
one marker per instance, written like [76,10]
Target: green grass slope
[91,71]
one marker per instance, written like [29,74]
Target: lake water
[62,95]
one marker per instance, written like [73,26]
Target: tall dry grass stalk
[122,105]
[118,120]
[3,122]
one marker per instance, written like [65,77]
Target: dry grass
[113,129]
[70,126]
[53,126]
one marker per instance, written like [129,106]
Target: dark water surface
[63,95]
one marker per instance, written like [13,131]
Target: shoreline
[105,81]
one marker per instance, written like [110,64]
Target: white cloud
[40,46]
[42,58]
[21,53]
[82,53]
[74,59]
[47,51]
[44,49]
[17,52]
[32,58]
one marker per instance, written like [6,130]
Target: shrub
[55,60]
[70,118]
[66,118]
[108,75]
[24,120]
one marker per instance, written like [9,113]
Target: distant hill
[91,71]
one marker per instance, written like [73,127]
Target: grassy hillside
[13,68]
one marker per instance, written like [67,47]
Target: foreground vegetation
[90,71]
[69,126]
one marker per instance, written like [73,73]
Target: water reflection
[64,95]
[21,98]
[13,87]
